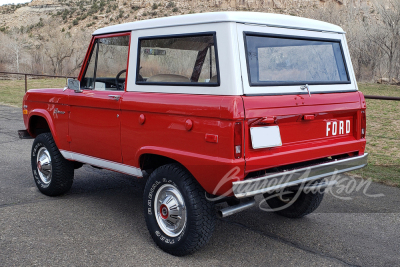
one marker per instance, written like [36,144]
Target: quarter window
[106,69]
[178,60]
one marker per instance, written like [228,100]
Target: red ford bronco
[215,107]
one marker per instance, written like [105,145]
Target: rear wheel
[53,174]
[294,204]
[178,216]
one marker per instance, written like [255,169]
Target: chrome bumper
[277,181]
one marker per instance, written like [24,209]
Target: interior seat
[171,78]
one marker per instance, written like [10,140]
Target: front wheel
[178,216]
[53,174]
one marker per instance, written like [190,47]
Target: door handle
[114,97]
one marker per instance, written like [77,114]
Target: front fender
[46,115]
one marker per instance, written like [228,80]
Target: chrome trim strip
[281,180]
[102,163]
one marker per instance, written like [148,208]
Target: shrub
[171,4]
[75,22]
[121,14]
[175,9]
[155,6]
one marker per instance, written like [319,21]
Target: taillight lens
[238,140]
[363,123]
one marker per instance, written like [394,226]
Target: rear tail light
[363,123]
[238,140]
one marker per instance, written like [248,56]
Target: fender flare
[194,163]
[46,115]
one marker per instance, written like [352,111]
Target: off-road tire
[62,170]
[303,205]
[200,213]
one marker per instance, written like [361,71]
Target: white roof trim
[268,19]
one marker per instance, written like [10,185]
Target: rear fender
[214,174]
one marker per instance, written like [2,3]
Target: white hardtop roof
[268,19]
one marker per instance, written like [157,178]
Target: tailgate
[288,129]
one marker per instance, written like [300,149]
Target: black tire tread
[62,169]
[203,223]
[304,205]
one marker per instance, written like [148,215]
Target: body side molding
[106,164]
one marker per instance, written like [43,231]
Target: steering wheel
[119,87]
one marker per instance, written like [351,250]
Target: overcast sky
[4,2]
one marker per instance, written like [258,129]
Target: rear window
[273,60]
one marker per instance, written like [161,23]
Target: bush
[121,14]
[155,6]
[75,22]
[175,9]
[171,4]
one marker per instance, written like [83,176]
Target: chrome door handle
[115,97]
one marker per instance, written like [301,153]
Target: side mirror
[73,84]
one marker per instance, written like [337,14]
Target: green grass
[12,91]
[383,125]
[383,135]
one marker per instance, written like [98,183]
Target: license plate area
[263,137]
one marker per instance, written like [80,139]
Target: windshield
[275,61]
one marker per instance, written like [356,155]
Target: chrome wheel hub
[43,162]
[170,210]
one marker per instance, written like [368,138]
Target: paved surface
[100,223]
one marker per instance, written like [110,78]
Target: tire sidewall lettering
[150,207]
[34,166]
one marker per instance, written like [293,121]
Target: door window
[107,66]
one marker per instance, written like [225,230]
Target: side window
[106,69]
[179,60]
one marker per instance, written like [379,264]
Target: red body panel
[302,139]
[164,132]
[43,102]
[102,127]
[95,124]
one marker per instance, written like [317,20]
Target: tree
[386,33]
[59,46]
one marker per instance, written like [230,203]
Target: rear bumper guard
[279,181]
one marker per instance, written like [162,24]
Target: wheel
[298,203]
[178,216]
[53,174]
